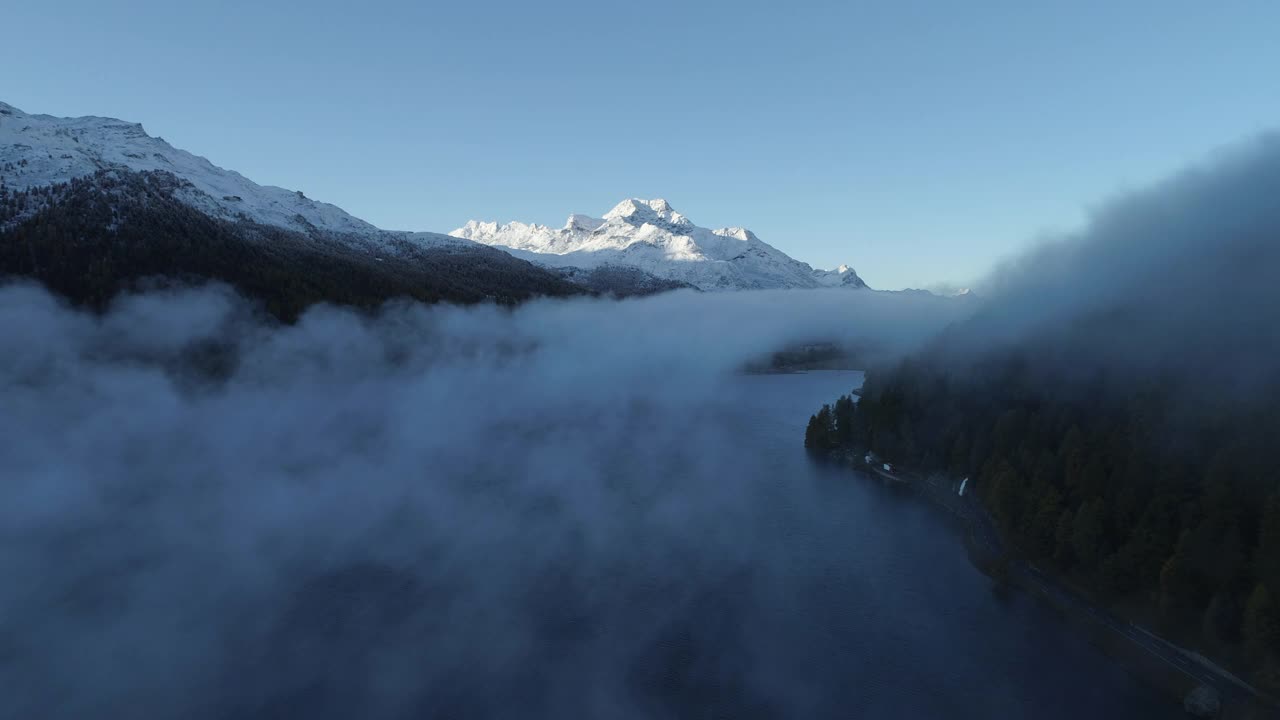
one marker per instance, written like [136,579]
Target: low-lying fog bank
[205,515]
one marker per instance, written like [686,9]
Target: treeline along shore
[1162,535]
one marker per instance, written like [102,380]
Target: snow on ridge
[582,222]
[40,150]
[652,236]
[637,211]
[649,235]
[842,276]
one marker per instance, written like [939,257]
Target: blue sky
[917,141]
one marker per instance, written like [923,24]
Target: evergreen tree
[820,434]
[1087,533]
[1267,558]
[1063,553]
[1261,624]
[1171,511]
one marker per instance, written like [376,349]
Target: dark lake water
[896,622]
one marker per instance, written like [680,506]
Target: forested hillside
[1164,508]
[96,236]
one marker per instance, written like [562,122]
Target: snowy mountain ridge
[645,236]
[650,235]
[42,150]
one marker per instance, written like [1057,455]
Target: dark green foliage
[1267,559]
[1261,621]
[1062,551]
[832,426]
[96,236]
[842,416]
[1124,488]
[620,281]
[821,432]
[1088,533]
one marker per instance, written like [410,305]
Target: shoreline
[1153,663]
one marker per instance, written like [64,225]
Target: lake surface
[899,624]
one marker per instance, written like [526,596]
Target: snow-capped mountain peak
[842,276]
[584,223]
[107,199]
[37,150]
[650,235]
[737,233]
[638,212]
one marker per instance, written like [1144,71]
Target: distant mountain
[650,236]
[964,294]
[38,150]
[620,280]
[92,206]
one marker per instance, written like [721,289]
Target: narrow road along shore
[986,540]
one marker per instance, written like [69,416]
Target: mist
[423,511]
[543,511]
[1180,280]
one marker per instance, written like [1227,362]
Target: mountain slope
[651,236]
[92,206]
[37,150]
[119,231]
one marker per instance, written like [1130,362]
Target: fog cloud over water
[427,511]
[481,512]
[1181,279]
